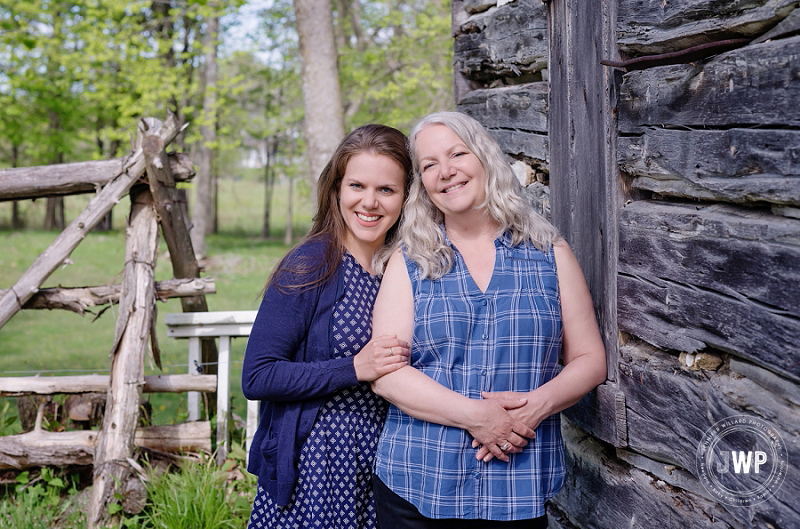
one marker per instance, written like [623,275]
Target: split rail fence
[149,175]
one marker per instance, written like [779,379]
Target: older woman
[489,296]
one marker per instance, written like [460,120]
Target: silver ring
[391,353]
[504,447]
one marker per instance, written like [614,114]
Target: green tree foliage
[76,76]
[395,59]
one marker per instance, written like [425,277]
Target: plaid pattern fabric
[506,339]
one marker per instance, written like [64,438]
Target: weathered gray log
[693,276]
[73,178]
[670,408]
[78,299]
[40,448]
[751,86]
[604,491]
[507,42]
[521,107]
[649,27]
[54,256]
[734,165]
[516,116]
[18,386]
[115,442]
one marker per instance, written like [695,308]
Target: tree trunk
[269,183]
[287,237]
[324,121]
[16,220]
[202,216]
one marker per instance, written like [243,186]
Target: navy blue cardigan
[288,367]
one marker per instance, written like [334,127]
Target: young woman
[310,359]
[489,296]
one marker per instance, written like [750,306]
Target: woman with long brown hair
[310,357]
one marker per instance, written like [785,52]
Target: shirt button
[483,372]
[483,302]
[484,336]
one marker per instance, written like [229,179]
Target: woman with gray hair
[489,295]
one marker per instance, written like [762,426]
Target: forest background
[75,78]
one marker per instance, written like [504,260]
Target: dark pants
[395,512]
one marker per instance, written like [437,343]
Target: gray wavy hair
[420,231]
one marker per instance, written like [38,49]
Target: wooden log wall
[704,151]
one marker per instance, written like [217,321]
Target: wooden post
[115,442]
[179,243]
[585,188]
[193,397]
[223,397]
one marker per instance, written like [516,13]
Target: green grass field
[58,342]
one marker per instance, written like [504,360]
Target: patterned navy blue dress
[334,488]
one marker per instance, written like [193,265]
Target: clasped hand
[506,429]
[380,356]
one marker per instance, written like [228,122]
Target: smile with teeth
[454,187]
[368,218]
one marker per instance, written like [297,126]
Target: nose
[446,170]
[370,199]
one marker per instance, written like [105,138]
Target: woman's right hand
[494,428]
[380,356]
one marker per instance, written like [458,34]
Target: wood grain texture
[583,180]
[671,408]
[115,441]
[602,413]
[648,27]
[751,86]
[516,116]
[506,42]
[720,276]
[737,165]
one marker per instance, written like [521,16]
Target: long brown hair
[328,226]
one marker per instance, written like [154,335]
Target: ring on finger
[505,446]
[391,352]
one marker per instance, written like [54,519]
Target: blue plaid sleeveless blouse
[506,339]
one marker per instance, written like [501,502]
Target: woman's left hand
[526,414]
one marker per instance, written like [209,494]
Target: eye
[457,154]
[386,190]
[427,166]
[355,185]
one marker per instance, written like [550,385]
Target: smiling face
[370,200]
[452,175]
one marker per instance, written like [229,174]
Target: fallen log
[41,448]
[20,386]
[78,299]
